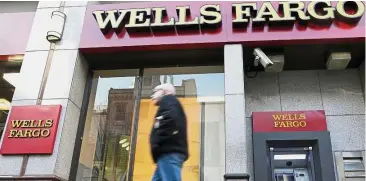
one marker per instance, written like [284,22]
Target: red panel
[92,39]
[35,145]
[14,32]
[289,121]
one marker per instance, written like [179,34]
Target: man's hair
[168,89]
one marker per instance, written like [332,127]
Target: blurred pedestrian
[168,138]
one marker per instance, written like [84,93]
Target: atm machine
[292,164]
[292,153]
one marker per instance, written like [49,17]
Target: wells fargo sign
[200,24]
[31,130]
[156,19]
[289,121]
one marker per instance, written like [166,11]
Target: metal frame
[81,125]
[202,145]
[131,162]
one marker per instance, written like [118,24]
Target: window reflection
[8,83]
[106,142]
[200,91]
[107,133]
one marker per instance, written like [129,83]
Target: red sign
[187,24]
[289,121]
[31,130]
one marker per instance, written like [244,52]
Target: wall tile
[249,133]
[341,92]
[76,3]
[67,142]
[49,4]
[347,132]
[37,38]
[235,126]
[79,81]
[300,90]
[45,164]
[73,27]
[262,93]
[31,75]
[10,165]
[61,73]
[234,70]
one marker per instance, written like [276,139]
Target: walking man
[168,138]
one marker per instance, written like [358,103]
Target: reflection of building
[186,89]
[120,110]
[110,159]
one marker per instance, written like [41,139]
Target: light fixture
[338,60]
[278,63]
[122,141]
[57,26]
[15,58]
[290,157]
[125,144]
[4,105]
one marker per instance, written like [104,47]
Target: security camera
[262,58]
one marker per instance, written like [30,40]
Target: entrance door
[292,164]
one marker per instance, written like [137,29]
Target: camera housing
[261,57]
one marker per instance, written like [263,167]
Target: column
[64,85]
[235,126]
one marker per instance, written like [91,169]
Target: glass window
[201,92]
[9,72]
[107,132]
[106,141]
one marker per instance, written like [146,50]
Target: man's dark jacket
[169,132]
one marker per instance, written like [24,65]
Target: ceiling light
[122,141]
[4,105]
[338,60]
[14,58]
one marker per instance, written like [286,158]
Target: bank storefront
[273,91]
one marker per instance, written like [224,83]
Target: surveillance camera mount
[256,61]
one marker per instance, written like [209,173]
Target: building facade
[273,90]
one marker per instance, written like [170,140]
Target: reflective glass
[201,93]
[107,132]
